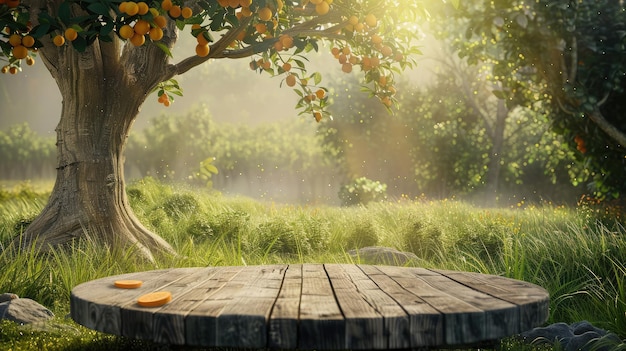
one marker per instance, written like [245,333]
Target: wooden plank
[463,323]
[364,324]
[501,318]
[322,325]
[96,304]
[283,327]
[164,324]
[532,299]
[243,322]
[425,322]
[213,294]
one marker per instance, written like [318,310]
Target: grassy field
[577,254]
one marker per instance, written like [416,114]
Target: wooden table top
[313,306]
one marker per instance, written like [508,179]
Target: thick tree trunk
[102,92]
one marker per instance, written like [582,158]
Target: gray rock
[577,336]
[24,311]
[7,297]
[383,255]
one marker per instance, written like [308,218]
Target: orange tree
[108,56]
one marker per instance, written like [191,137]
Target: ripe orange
[246,12]
[59,40]
[265,14]
[166,5]
[131,8]
[13,70]
[322,8]
[203,50]
[260,28]
[187,12]
[287,66]
[126,31]
[382,81]
[233,3]
[353,20]
[375,62]
[346,67]
[245,3]
[156,34]
[142,8]
[20,52]
[160,21]
[386,51]
[175,11]
[142,27]
[28,41]
[287,41]
[386,101]
[71,34]
[15,40]
[5,69]
[138,39]
[223,3]
[122,7]
[30,61]
[317,115]
[334,51]
[376,39]
[202,40]
[371,20]
[266,65]
[320,93]
[290,80]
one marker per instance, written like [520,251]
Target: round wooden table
[313,306]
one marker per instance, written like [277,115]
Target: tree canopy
[565,57]
[369,34]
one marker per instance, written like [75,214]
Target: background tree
[107,56]
[570,57]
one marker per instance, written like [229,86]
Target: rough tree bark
[102,90]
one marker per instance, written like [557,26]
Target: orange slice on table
[128,284]
[155,299]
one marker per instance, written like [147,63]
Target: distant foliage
[362,191]
[26,155]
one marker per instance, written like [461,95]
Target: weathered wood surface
[313,306]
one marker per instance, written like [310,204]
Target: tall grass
[579,259]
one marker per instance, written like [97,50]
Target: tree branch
[216,50]
[615,134]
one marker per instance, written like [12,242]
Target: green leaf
[64,12]
[99,8]
[163,47]
[317,78]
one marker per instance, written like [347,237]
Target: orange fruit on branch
[322,8]
[20,52]
[28,41]
[203,50]
[71,34]
[15,40]
[142,8]
[126,31]
[138,39]
[160,21]
[58,40]
[175,11]
[186,12]
[142,27]
[290,80]
[156,34]
[265,14]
